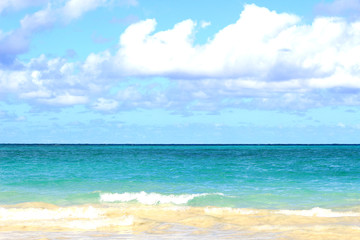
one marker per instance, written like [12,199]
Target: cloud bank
[262,46]
[264,60]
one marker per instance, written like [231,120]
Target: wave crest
[152,198]
[318,212]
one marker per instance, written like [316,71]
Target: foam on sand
[318,212]
[130,218]
[25,214]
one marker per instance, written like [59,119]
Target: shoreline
[169,220]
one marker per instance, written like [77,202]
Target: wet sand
[136,221]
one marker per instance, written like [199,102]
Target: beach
[159,222]
[179,192]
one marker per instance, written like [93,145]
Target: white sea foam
[318,212]
[151,198]
[25,214]
[82,218]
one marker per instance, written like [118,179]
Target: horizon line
[190,144]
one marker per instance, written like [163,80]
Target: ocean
[179,191]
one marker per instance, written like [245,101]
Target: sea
[55,191]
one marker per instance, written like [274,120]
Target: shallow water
[177,191]
[136,221]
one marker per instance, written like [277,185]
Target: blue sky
[141,71]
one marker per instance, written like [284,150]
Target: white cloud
[75,8]
[45,81]
[105,105]
[12,81]
[129,94]
[262,46]
[156,54]
[235,51]
[204,24]
[94,63]
[66,100]
[17,41]
[264,60]
[39,20]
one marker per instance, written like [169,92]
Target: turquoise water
[239,176]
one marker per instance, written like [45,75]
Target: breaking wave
[152,198]
[318,212]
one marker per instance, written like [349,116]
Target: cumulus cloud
[238,50]
[264,60]
[45,81]
[261,46]
[263,57]
[75,8]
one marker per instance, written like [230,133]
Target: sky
[190,71]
